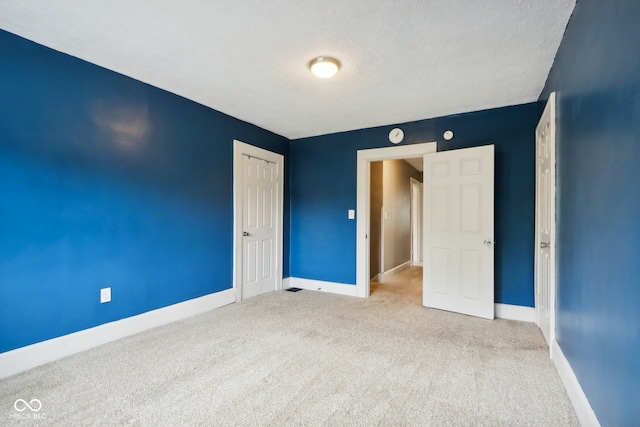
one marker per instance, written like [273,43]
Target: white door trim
[239,149]
[416,221]
[550,109]
[365,157]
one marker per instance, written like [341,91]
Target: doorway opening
[364,222]
[395,240]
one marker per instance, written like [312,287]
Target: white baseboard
[516,312]
[286,283]
[23,358]
[389,274]
[579,400]
[319,285]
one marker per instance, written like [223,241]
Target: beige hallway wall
[396,217]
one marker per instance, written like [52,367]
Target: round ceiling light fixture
[324,67]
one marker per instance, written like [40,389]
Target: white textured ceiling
[401,60]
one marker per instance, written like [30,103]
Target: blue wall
[323,188]
[596,74]
[106,181]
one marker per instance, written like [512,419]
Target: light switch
[352,214]
[105,295]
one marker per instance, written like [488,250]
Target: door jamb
[239,149]
[363,188]
[415,233]
[551,108]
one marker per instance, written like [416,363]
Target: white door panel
[545,222]
[459,231]
[259,230]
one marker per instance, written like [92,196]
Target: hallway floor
[405,286]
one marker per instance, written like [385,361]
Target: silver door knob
[489,243]
[544,245]
[246,234]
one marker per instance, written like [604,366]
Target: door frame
[363,206]
[549,109]
[239,149]
[416,220]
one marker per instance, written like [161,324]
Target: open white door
[458,231]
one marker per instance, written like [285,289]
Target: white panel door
[458,248]
[259,214]
[545,199]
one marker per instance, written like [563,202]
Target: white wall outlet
[105,295]
[352,214]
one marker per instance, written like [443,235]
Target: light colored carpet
[307,358]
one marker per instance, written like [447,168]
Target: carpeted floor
[307,358]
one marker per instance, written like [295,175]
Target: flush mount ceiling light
[324,67]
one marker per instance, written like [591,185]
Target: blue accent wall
[323,188]
[596,75]
[108,182]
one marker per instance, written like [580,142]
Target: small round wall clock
[396,136]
